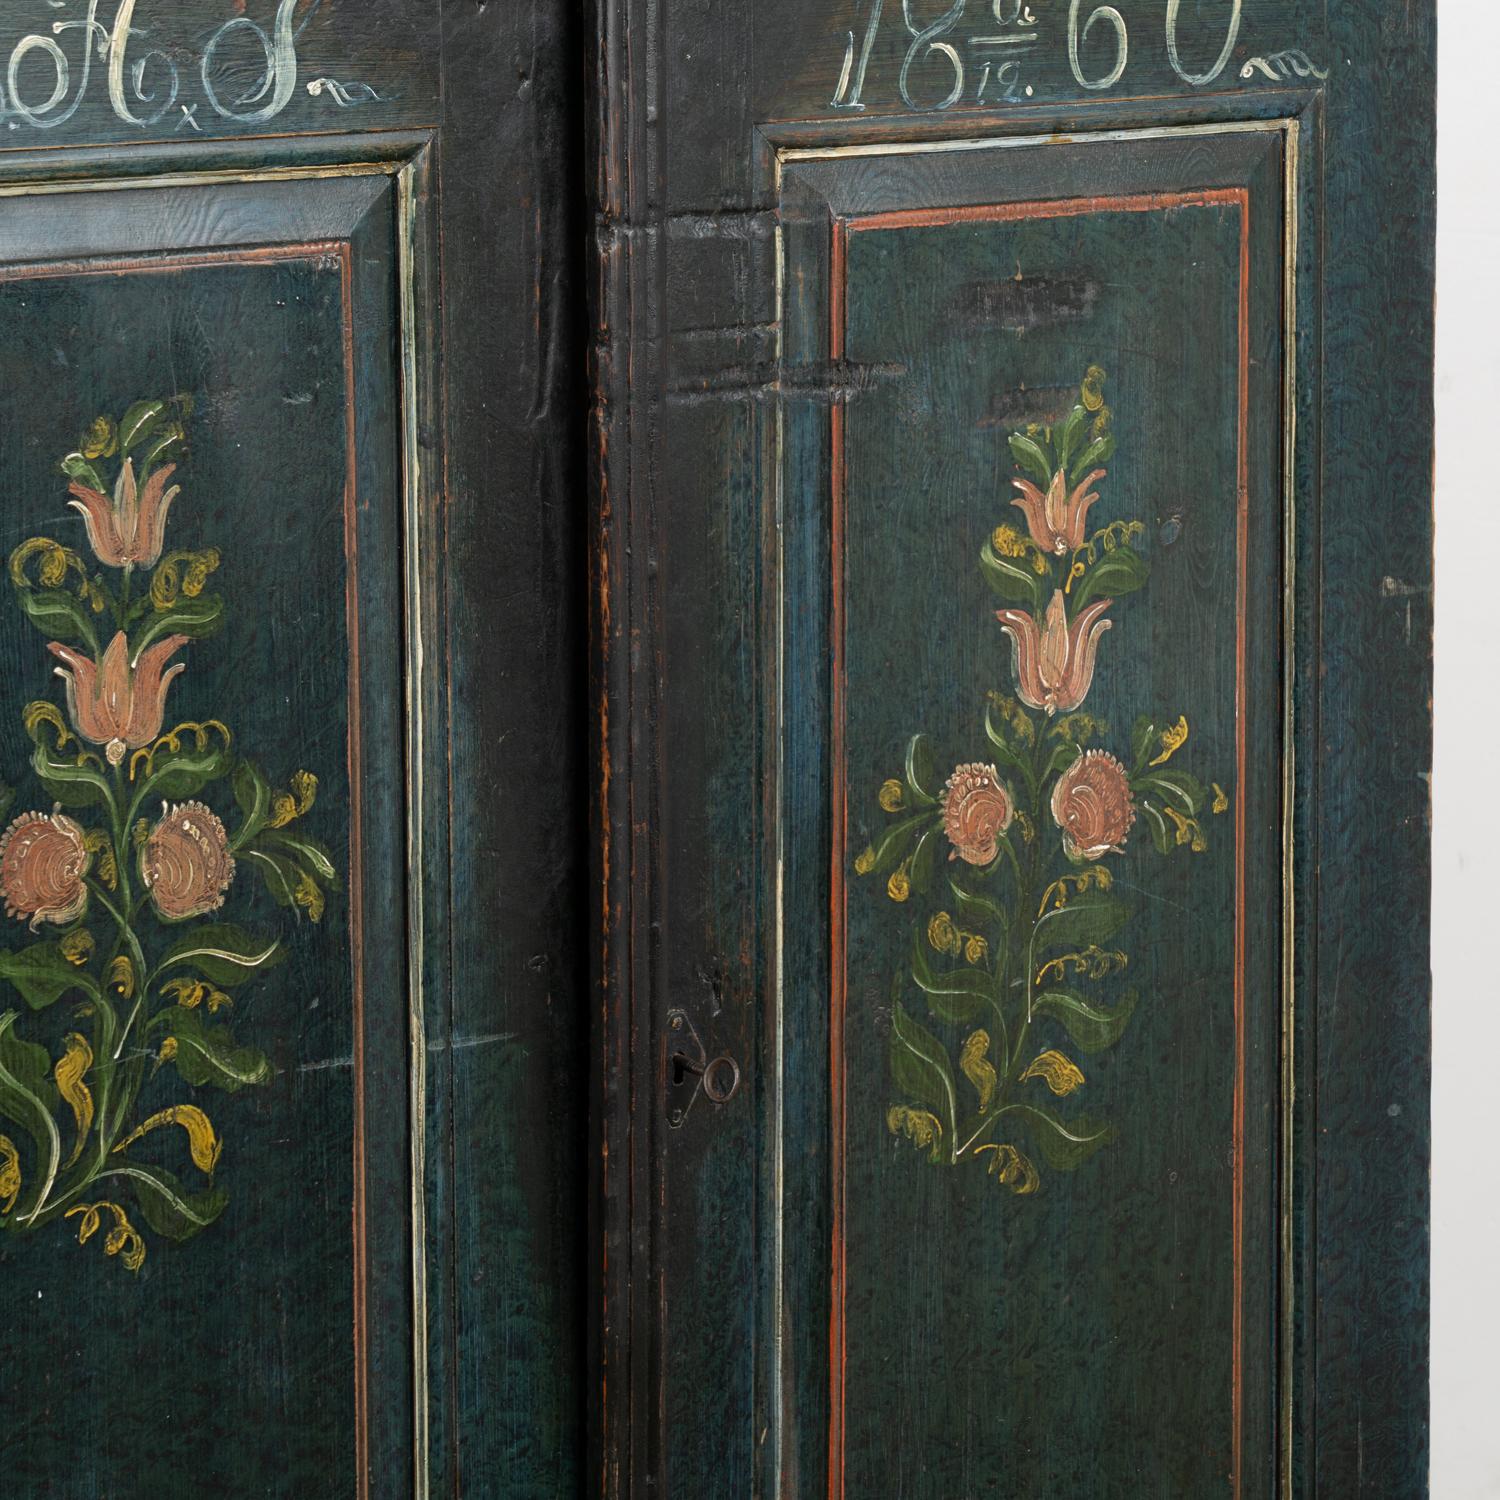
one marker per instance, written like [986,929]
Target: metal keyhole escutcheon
[688,1070]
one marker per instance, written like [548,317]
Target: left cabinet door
[245,1070]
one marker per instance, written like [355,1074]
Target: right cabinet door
[1014,584]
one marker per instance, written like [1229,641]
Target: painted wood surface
[830,291]
[136,70]
[224,206]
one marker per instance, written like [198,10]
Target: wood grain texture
[484,287]
[87,72]
[512,1402]
[315,1278]
[700,1387]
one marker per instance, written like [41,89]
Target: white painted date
[49,72]
[939,68]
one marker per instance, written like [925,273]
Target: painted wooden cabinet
[1013,536]
[293,1057]
[714,748]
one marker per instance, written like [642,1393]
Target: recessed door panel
[206,1083]
[1031,934]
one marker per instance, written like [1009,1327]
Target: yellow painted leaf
[922,1129]
[1094,961]
[309,897]
[286,807]
[1189,831]
[122,977]
[122,1240]
[77,1059]
[89,1221]
[1059,1074]
[203,1144]
[942,934]
[191,993]
[975,1062]
[10,1173]
[1014,1169]
[188,993]
[98,843]
[101,440]
[182,573]
[77,946]
[1172,740]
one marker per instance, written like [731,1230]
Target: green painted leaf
[1065,1144]
[1118,572]
[28,1094]
[308,853]
[1063,755]
[980,910]
[1100,451]
[166,445]
[253,793]
[953,995]
[1161,835]
[224,953]
[921,1068]
[1086,919]
[890,848]
[207,1054]
[920,777]
[1028,453]
[1012,578]
[1092,1027]
[139,422]
[59,615]
[1070,434]
[42,975]
[168,1207]
[76,466]
[192,617]
[176,774]
[71,784]
[1143,738]
[1005,755]
[1176,788]
[279,873]
[923,859]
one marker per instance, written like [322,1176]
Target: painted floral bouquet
[1021,919]
[127,871]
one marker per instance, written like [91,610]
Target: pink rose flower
[186,863]
[42,864]
[1093,806]
[977,809]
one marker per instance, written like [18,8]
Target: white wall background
[1466,770]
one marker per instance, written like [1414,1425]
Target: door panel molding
[356,208]
[821,214]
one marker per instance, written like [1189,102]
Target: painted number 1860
[934,74]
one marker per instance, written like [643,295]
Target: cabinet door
[279,977]
[1013,587]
